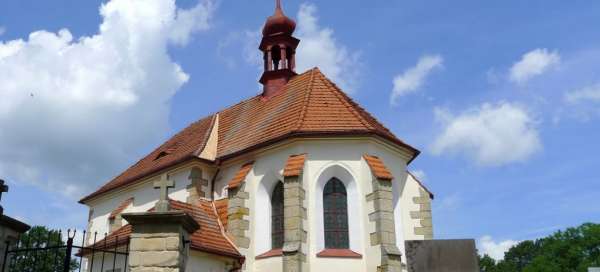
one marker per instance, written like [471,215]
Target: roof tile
[240,176]
[378,168]
[309,105]
[294,165]
[121,208]
[210,237]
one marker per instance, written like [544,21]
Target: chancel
[296,178]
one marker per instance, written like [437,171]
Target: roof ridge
[306,98]
[358,109]
[347,101]
[164,144]
[221,228]
[206,135]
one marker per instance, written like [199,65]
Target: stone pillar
[159,240]
[10,231]
[115,223]
[197,186]
[423,214]
[237,215]
[385,231]
[294,215]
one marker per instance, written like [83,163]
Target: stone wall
[385,233]
[157,241]
[423,214]
[238,214]
[198,185]
[160,251]
[294,215]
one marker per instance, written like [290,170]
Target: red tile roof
[294,165]
[240,176]
[310,105]
[378,168]
[209,238]
[184,145]
[120,208]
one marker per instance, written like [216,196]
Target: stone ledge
[163,218]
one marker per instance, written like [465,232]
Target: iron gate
[53,254]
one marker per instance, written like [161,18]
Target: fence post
[5,255]
[67,261]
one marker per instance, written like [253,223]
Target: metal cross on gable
[3,188]
[163,185]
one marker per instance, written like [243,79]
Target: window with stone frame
[277,216]
[335,211]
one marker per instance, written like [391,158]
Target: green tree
[48,258]
[487,264]
[572,250]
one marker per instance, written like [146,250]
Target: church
[297,178]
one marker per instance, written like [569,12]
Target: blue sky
[502,98]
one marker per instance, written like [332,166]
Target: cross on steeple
[3,189]
[163,185]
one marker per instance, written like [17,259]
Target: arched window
[277,217]
[335,209]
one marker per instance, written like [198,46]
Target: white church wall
[145,197]
[201,262]
[326,158]
[404,188]
[410,190]
[336,157]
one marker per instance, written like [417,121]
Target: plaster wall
[326,159]
[145,197]
[341,158]
[200,262]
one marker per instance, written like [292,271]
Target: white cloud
[412,79]
[74,111]
[490,134]
[587,94]
[318,47]
[532,64]
[496,250]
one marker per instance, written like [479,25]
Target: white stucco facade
[326,158]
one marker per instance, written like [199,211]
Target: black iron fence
[55,253]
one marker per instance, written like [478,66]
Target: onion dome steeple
[279,51]
[278,23]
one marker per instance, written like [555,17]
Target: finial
[278,4]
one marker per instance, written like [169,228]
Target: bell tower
[279,52]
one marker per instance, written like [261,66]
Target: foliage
[49,259]
[572,250]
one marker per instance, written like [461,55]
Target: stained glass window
[335,208]
[277,217]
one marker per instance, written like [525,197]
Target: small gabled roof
[294,165]
[240,176]
[121,208]
[378,168]
[210,237]
[310,105]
